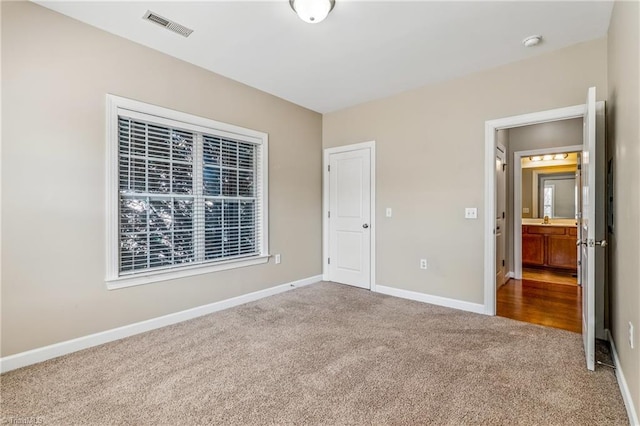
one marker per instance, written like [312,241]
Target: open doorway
[543,205]
[551,206]
[591,227]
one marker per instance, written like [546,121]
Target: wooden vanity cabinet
[550,246]
[532,249]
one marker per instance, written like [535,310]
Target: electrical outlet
[423,263]
[277,259]
[388,212]
[630,334]
[470,213]
[525,210]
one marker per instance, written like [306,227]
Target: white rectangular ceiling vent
[170,25]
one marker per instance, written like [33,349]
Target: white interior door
[579,215]
[349,218]
[501,189]
[592,255]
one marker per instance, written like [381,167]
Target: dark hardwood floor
[537,302]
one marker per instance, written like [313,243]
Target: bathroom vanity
[552,246]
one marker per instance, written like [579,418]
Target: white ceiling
[364,50]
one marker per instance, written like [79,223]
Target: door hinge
[502,262]
[328,260]
[328,214]
[504,167]
[329,168]
[503,215]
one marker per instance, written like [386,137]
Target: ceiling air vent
[170,25]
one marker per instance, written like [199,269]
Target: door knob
[592,243]
[365,226]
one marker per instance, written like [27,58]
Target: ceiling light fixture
[531,41]
[312,11]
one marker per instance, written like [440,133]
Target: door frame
[517,199]
[490,138]
[371,147]
[501,147]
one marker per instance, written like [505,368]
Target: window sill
[152,277]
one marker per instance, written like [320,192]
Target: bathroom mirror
[557,195]
[549,191]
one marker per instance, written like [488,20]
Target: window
[187,195]
[548,200]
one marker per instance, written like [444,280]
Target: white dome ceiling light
[531,41]
[312,11]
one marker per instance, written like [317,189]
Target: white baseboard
[434,300]
[35,356]
[622,383]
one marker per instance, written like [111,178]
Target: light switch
[388,211]
[525,210]
[471,213]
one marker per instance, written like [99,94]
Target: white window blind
[187,195]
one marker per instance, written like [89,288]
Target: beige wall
[55,74]
[624,148]
[547,135]
[430,161]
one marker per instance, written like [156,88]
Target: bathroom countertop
[552,222]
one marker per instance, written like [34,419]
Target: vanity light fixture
[312,11]
[548,157]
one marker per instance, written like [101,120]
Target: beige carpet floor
[324,354]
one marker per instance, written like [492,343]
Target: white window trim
[116,104]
